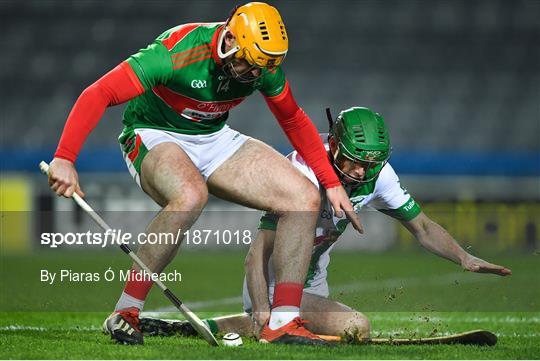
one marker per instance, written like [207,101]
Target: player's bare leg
[173,181]
[329,317]
[238,323]
[324,316]
[258,177]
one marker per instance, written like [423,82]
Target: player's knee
[307,200]
[192,198]
[312,199]
[358,326]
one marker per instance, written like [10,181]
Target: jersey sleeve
[116,87]
[392,199]
[300,130]
[152,65]
[273,82]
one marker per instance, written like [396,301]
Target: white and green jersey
[384,194]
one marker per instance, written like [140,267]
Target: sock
[281,316]
[135,292]
[286,304]
[212,325]
[127,301]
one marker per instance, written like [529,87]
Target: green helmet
[362,137]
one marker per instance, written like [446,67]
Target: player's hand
[259,319]
[341,204]
[63,178]
[475,264]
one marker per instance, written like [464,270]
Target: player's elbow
[311,199]
[428,228]
[420,226]
[96,95]
[308,199]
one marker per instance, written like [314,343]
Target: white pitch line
[395,333]
[347,287]
[47,329]
[451,318]
[22,328]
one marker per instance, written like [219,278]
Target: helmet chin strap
[221,39]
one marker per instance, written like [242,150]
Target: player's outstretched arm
[256,268]
[116,87]
[438,241]
[475,264]
[305,138]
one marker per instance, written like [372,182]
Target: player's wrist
[334,183]
[463,257]
[63,160]
[262,308]
[333,187]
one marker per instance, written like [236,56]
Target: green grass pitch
[403,294]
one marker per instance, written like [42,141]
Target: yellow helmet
[261,38]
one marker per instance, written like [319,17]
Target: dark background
[457,81]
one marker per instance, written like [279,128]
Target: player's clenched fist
[63,178]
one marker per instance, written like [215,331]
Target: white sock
[282,315]
[126,301]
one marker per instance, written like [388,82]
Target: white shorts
[207,152]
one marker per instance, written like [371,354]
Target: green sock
[212,325]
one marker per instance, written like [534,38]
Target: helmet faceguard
[246,76]
[372,169]
[261,39]
[361,137]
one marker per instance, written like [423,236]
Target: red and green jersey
[186,90]
[177,84]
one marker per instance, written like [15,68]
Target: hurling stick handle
[190,316]
[330,338]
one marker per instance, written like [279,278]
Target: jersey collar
[214,44]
